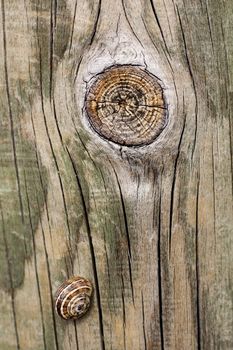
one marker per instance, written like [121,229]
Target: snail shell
[73,297]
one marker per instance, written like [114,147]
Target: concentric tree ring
[125,104]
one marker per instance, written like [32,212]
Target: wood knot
[125,104]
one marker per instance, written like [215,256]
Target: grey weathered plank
[150,226]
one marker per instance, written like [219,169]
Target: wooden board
[150,226]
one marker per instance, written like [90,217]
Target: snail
[73,297]
[126,105]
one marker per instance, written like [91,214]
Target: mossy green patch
[70,177]
[21,190]
[106,220]
[20,193]
[51,27]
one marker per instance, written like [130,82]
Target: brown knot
[125,104]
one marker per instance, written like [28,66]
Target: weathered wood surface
[150,226]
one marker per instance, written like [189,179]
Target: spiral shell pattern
[72,299]
[125,104]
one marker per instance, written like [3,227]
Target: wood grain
[150,226]
[125,105]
